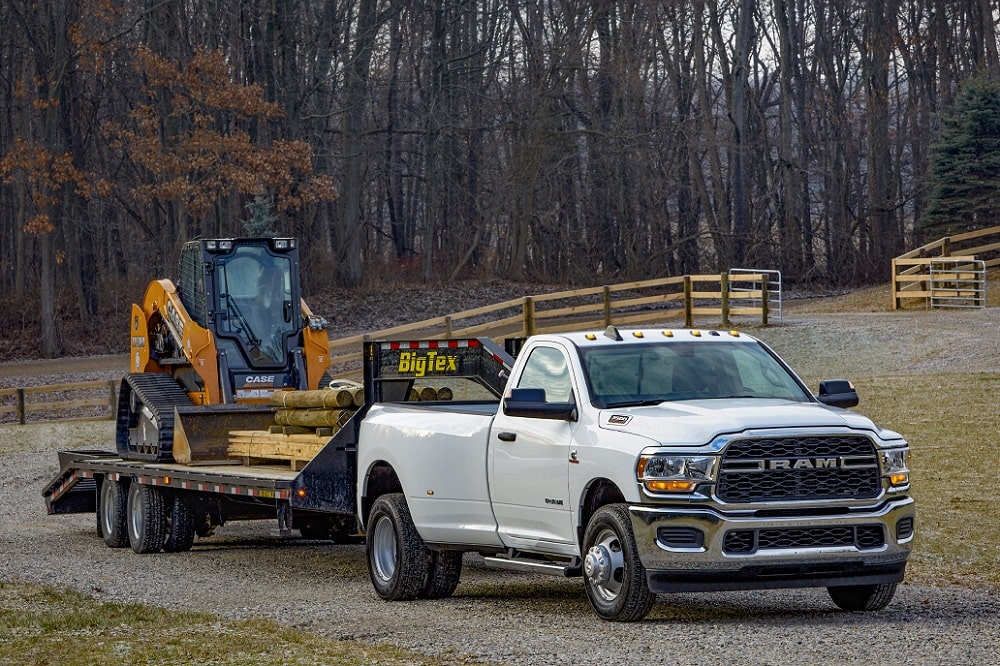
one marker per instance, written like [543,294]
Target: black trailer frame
[327,484]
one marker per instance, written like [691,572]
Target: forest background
[564,141]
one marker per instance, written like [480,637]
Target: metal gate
[738,283]
[957,282]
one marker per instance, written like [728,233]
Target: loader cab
[246,292]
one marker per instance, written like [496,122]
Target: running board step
[533,566]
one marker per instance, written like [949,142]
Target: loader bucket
[201,434]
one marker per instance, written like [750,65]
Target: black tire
[863,597]
[398,560]
[147,521]
[111,513]
[613,575]
[180,525]
[443,575]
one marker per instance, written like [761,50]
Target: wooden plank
[322,398]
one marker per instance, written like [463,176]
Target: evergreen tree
[261,219]
[965,164]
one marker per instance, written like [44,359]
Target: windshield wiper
[634,403]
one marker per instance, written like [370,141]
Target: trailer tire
[444,574]
[398,560]
[111,509]
[180,525]
[147,521]
[862,597]
[613,574]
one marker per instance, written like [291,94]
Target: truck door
[529,462]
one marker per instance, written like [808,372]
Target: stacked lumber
[264,446]
[306,420]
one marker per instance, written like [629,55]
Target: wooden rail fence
[645,302]
[655,302]
[949,271]
[80,400]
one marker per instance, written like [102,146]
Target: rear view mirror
[838,393]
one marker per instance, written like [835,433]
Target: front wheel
[398,560]
[613,575]
[863,597]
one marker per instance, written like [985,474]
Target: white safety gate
[737,283]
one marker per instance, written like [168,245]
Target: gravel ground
[246,570]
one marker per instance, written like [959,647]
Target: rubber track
[161,393]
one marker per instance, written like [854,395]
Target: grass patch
[951,422]
[42,625]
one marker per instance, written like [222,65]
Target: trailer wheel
[613,575]
[180,525]
[444,574]
[862,597]
[147,521]
[398,560]
[111,507]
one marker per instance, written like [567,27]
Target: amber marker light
[301,492]
[696,334]
[671,486]
[590,336]
[637,334]
[899,479]
[735,334]
[668,334]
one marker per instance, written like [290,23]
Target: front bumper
[704,560]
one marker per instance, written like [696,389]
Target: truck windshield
[648,374]
[254,294]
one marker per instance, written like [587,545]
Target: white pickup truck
[645,461]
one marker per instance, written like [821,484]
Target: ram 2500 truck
[645,461]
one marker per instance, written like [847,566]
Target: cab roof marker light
[735,334]
[696,333]
[638,334]
[590,336]
[668,334]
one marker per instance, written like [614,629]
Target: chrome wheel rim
[384,549]
[604,566]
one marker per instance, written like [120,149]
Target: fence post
[528,312]
[895,288]
[688,303]
[724,292]
[447,326]
[607,305]
[113,398]
[20,406]
[765,298]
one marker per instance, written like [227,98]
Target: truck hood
[698,422]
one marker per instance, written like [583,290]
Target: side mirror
[530,403]
[838,393]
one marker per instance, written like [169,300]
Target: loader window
[255,302]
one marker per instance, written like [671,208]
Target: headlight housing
[894,467]
[668,473]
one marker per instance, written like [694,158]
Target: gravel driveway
[245,570]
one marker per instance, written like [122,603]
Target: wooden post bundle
[321,399]
[312,418]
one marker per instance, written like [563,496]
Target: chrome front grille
[790,469]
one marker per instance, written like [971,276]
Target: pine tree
[965,164]
[261,220]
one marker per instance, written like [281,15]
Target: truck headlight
[894,467]
[660,473]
